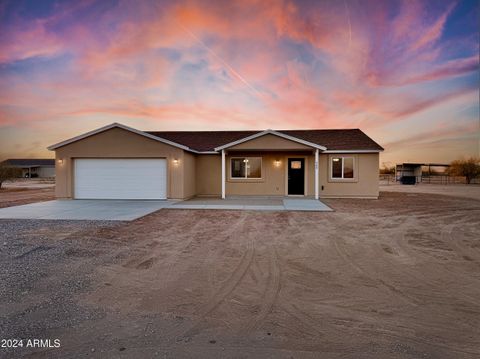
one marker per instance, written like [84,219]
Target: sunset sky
[405,72]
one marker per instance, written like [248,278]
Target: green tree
[469,168]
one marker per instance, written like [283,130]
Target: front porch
[270,164]
[257,203]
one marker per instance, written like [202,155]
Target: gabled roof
[29,162]
[271,132]
[113,125]
[350,140]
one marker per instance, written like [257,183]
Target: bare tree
[469,168]
[387,169]
[8,173]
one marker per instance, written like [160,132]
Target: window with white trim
[246,167]
[343,167]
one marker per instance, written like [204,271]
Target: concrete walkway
[107,210]
[129,210]
[253,204]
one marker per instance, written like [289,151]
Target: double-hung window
[246,167]
[343,167]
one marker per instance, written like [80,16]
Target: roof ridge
[230,131]
[207,131]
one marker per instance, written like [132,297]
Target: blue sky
[405,72]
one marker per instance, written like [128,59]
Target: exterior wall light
[277,163]
[60,161]
[175,161]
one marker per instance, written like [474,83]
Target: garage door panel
[120,178]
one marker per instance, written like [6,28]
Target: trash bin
[408,180]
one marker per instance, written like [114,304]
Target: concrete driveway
[107,210]
[129,210]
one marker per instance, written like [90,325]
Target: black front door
[296,176]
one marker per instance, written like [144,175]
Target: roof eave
[353,151]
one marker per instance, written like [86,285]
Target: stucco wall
[273,181]
[119,143]
[208,174]
[365,184]
[189,182]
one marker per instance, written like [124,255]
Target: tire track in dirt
[403,244]
[385,284]
[306,323]
[409,223]
[238,274]
[210,257]
[227,288]
[342,252]
[303,319]
[270,294]
[447,236]
[149,254]
[292,307]
[416,339]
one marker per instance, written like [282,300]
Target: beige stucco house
[120,162]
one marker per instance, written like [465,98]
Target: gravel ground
[43,251]
[393,278]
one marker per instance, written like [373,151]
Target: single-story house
[120,162]
[33,167]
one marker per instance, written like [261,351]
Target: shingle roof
[336,140]
[203,140]
[29,162]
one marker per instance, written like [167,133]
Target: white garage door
[120,178]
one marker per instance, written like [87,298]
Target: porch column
[316,173]
[223,174]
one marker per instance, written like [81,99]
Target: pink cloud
[431,33]
[432,136]
[33,41]
[448,69]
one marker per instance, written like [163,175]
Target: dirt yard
[455,190]
[393,278]
[16,196]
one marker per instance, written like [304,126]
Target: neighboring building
[119,162]
[33,167]
[417,170]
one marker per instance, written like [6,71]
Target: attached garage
[120,178]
